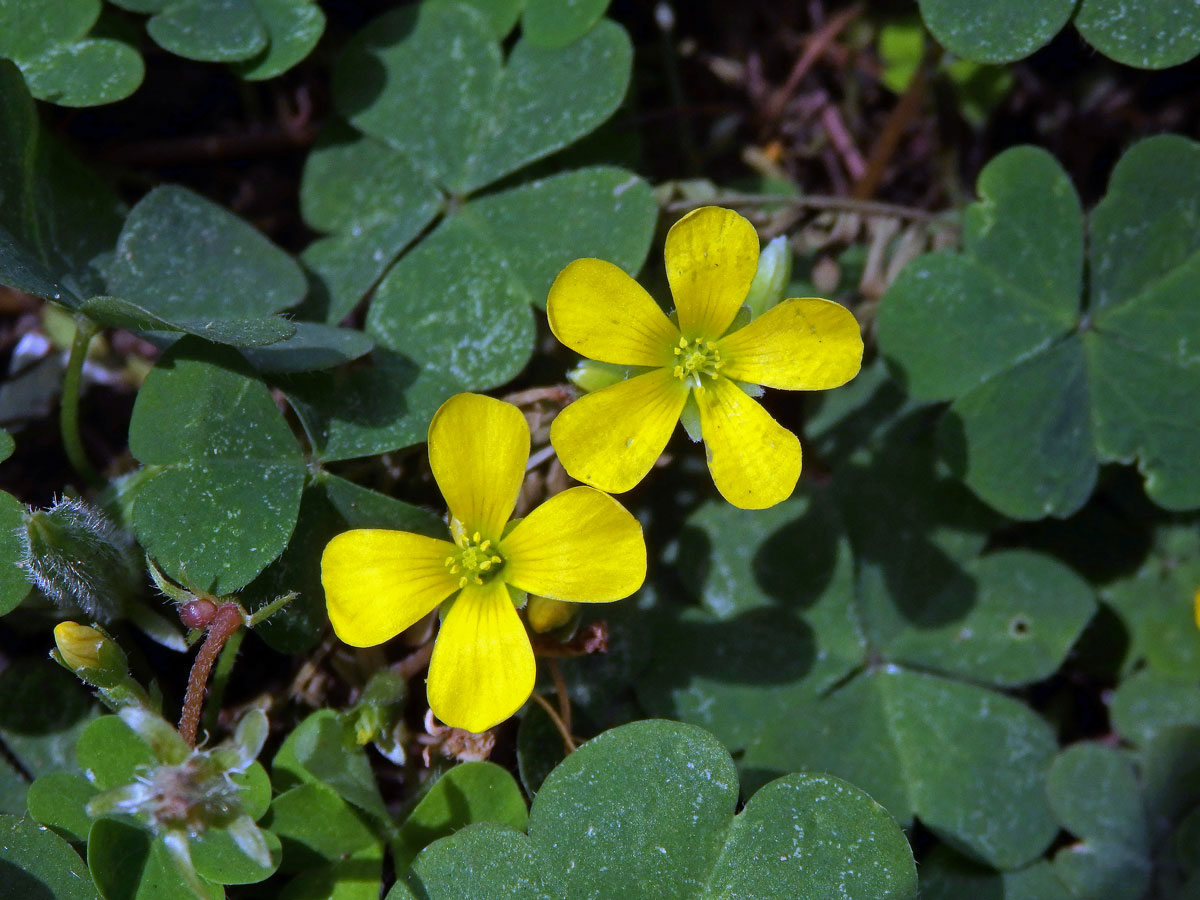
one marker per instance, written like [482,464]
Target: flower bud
[90,654]
[771,279]
[590,375]
[545,614]
[77,557]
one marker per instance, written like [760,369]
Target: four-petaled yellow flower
[611,439]
[580,545]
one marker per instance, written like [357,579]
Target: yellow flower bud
[545,614]
[90,654]
[1196,607]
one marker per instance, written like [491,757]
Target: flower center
[696,358]
[476,560]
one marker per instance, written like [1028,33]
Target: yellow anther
[475,538]
[683,343]
[485,545]
[462,582]
[485,565]
[497,559]
[697,358]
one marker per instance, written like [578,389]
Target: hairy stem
[227,620]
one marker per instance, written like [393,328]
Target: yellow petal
[601,313]
[478,448]
[611,439]
[580,545]
[377,583]
[755,461]
[803,344]
[712,255]
[482,667]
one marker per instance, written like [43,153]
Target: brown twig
[897,123]
[809,201]
[814,48]
[228,619]
[568,741]
[560,688]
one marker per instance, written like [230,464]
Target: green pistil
[476,561]
[695,359]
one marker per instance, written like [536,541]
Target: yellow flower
[611,439]
[580,545]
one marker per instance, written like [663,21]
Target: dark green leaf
[117,851]
[315,826]
[36,864]
[57,218]
[995,30]
[1023,613]
[1154,34]
[59,800]
[118,313]
[183,257]
[330,506]
[393,79]
[313,346]
[647,811]
[322,749]
[959,758]
[210,30]
[1094,793]
[13,585]
[85,73]
[293,29]
[1148,703]
[224,491]
[556,23]
[469,793]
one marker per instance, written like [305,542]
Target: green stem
[85,330]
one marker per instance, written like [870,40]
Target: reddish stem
[227,620]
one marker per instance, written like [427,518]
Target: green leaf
[223,492]
[358,876]
[1024,612]
[1156,605]
[458,302]
[330,505]
[312,346]
[468,793]
[36,864]
[499,15]
[1147,704]
[1094,793]
[316,826]
[322,749]
[995,30]
[111,752]
[1155,34]
[59,800]
[210,30]
[116,851]
[1078,383]
[118,313]
[478,331]
[353,181]
[13,585]
[7,445]
[960,758]
[394,76]
[183,257]
[556,23]
[293,29]
[89,72]
[28,30]
[947,876]
[41,736]
[384,405]
[219,859]
[57,219]
[647,810]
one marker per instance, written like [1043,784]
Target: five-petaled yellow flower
[611,439]
[580,545]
